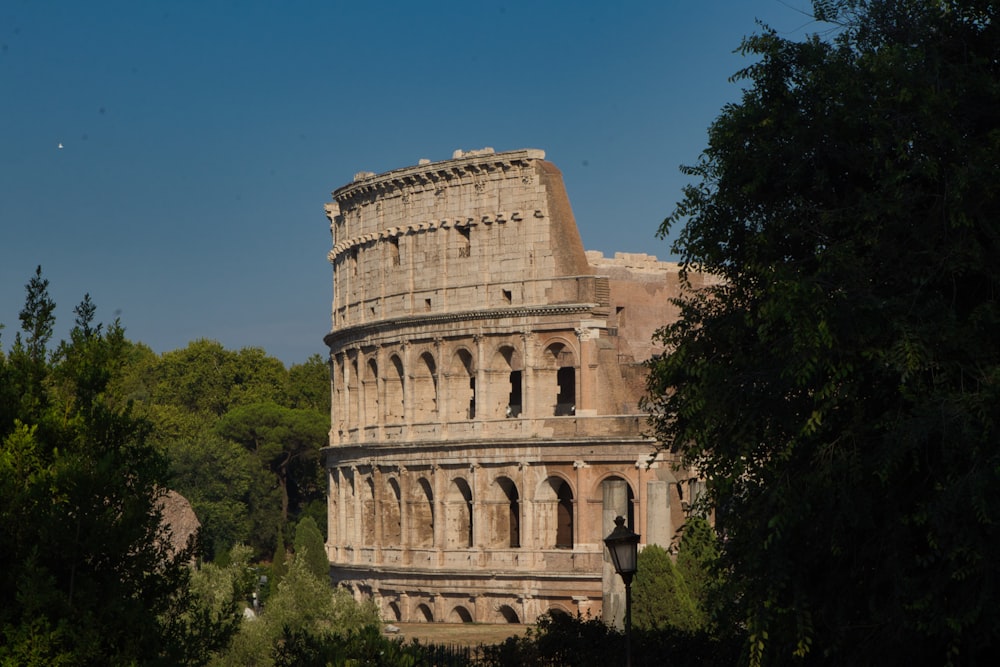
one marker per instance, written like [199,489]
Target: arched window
[508,614]
[460,615]
[462,386]
[368,511]
[554,514]
[504,514]
[559,373]
[394,397]
[425,389]
[391,516]
[424,614]
[507,379]
[458,514]
[420,518]
[370,391]
[564,517]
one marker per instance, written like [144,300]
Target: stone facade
[486,374]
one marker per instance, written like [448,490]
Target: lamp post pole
[623,545]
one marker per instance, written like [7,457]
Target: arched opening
[564,517]
[421,515]
[462,386]
[510,381]
[394,612]
[458,515]
[394,397]
[339,394]
[350,527]
[370,390]
[353,394]
[368,512]
[559,376]
[508,614]
[504,514]
[460,615]
[425,389]
[391,515]
[554,514]
[618,497]
[424,614]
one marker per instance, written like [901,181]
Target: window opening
[472,398]
[514,398]
[564,517]
[465,247]
[506,295]
[566,400]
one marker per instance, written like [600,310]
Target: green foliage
[697,565]
[304,609]
[660,596]
[311,548]
[242,491]
[86,571]
[286,441]
[838,384]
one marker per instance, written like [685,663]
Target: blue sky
[201,139]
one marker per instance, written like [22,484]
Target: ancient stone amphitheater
[486,376]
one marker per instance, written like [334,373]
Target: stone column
[437,480]
[581,518]
[357,539]
[407,388]
[378,498]
[483,390]
[527,376]
[476,511]
[615,503]
[528,540]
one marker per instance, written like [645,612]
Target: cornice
[345,335]
[470,164]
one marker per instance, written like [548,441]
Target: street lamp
[623,545]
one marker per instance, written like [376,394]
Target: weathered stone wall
[486,374]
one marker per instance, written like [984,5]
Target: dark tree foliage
[660,595]
[839,385]
[87,576]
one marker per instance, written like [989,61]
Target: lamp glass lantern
[623,545]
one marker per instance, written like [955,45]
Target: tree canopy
[88,574]
[836,377]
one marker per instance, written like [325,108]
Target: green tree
[836,379]
[309,385]
[302,606]
[697,563]
[87,573]
[286,441]
[310,547]
[660,595]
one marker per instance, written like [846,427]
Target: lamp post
[623,545]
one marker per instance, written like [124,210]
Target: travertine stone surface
[486,373]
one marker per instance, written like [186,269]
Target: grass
[458,634]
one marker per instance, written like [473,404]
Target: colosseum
[486,376]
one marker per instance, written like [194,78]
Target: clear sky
[200,139]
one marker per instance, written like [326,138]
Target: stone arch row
[460,611]
[453,381]
[407,510]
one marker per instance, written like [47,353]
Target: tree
[286,441]
[309,546]
[660,595]
[88,575]
[834,373]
